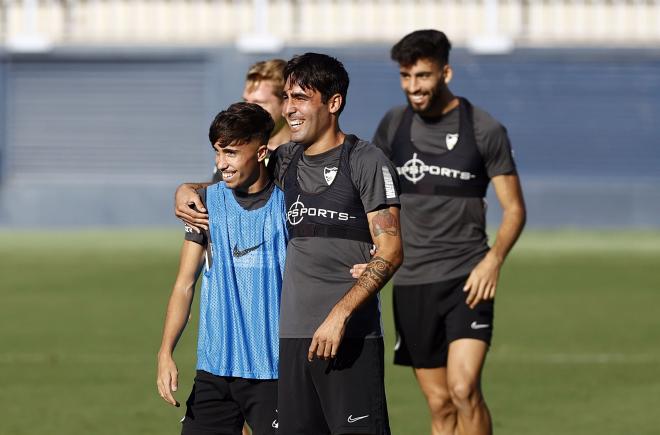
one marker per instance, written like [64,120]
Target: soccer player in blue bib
[241,256]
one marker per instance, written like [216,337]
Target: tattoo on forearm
[376,275]
[385,222]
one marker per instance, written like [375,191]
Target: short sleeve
[374,176]
[494,145]
[192,235]
[386,129]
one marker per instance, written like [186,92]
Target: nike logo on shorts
[476,325]
[238,253]
[353,420]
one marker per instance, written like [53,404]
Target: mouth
[295,124]
[417,98]
[228,175]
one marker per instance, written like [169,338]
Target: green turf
[576,348]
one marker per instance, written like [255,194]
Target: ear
[262,152]
[448,73]
[334,103]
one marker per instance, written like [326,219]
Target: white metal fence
[154,22]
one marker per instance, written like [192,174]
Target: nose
[412,85]
[289,107]
[220,161]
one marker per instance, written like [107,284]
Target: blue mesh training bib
[240,296]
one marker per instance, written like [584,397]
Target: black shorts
[345,395]
[428,317]
[219,405]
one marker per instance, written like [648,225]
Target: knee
[440,403]
[464,394]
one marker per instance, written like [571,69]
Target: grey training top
[444,237]
[317,270]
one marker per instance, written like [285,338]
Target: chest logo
[239,253]
[297,212]
[415,169]
[329,174]
[451,140]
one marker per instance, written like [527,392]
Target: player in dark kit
[242,257]
[341,196]
[446,152]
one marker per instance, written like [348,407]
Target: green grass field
[576,348]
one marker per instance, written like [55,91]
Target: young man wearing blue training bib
[242,258]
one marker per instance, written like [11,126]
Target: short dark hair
[241,123]
[319,72]
[421,44]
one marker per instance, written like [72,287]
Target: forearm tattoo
[376,275]
[385,222]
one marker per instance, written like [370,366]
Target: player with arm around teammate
[446,152]
[341,197]
[241,256]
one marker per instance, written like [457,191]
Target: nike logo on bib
[238,253]
[353,420]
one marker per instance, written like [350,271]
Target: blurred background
[104,110]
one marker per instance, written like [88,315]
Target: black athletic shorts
[219,405]
[345,395]
[428,317]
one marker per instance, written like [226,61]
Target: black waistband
[333,231]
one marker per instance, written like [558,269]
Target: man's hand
[358,269]
[328,336]
[168,379]
[482,282]
[189,208]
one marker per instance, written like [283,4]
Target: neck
[281,134]
[260,182]
[446,103]
[332,138]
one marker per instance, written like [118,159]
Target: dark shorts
[428,317]
[341,396]
[219,405]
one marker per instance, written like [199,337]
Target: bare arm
[386,234]
[178,311]
[189,208]
[482,282]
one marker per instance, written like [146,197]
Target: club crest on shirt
[451,140]
[329,174]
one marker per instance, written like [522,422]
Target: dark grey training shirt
[317,270]
[444,237]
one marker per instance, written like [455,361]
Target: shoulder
[485,124]
[395,112]
[365,150]
[285,151]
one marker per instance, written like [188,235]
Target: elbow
[396,256]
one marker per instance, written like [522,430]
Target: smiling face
[424,82]
[240,163]
[309,118]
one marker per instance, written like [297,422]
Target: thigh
[211,409]
[351,388]
[465,322]
[258,402]
[298,405]
[420,313]
[465,362]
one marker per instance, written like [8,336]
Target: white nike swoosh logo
[476,325]
[353,420]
